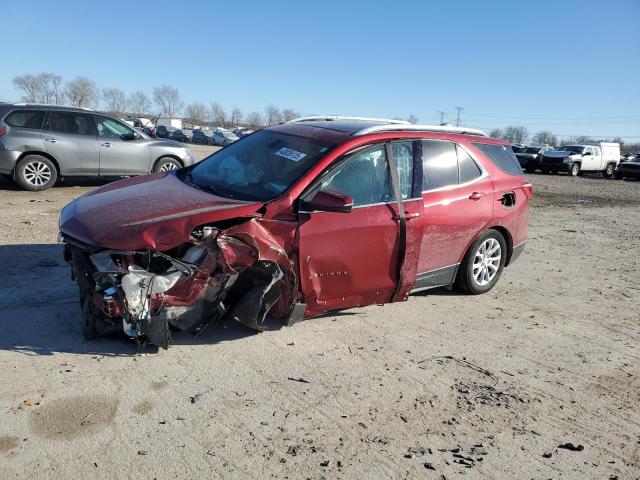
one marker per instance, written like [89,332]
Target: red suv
[295,220]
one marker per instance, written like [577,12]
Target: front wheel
[608,172]
[483,264]
[575,170]
[166,164]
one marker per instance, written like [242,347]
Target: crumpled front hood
[153,211]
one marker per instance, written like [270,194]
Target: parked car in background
[517,148]
[630,168]
[149,131]
[164,132]
[574,159]
[529,157]
[224,137]
[181,136]
[202,137]
[244,234]
[242,132]
[39,144]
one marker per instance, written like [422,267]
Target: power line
[442,114]
[459,109]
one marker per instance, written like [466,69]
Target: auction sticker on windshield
[290,154]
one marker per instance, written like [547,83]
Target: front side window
[71,122]
[25,119]
[365,175]
[260,167]
[110,128]
[439,164]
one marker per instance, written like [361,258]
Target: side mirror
[586,153]
[129,136]
[328,201]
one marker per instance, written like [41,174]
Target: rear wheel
[608,172]
[575,170]
[483,264]
[35,173]
[166,164]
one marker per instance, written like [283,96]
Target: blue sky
[569,66]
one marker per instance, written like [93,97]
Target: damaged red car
[295,220]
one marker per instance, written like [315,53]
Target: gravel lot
[439,386]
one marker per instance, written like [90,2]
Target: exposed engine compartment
[239,272]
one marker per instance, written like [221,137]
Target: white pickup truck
[587,157]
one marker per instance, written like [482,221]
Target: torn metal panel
[242,272]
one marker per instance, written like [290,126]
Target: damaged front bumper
[240,273]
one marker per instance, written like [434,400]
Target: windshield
[571,148]
[259,167]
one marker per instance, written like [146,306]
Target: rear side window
[501,156]
[439,164]
[71,122]
[25,119]
[468,169]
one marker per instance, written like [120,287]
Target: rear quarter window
[502,156]
[25,119]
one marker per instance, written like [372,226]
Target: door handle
[476,195]
[105,144]
[51,140]
[407,215]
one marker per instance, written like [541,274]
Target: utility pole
[441,116]
[459,109]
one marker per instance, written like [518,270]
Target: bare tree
[495,133]
[255,120]
[236,116]
[197,113]
[515,134]
[115,101]
[218,115]
[82,92]
[29,86]
[412,119]
[272,114]
[52,91]
[168,99]
[40,88]
[545,137]
[288,114]
[139,103]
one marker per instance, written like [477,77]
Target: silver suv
[40,143]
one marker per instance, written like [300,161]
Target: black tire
[36,173]
[575,170]
[608,172]
[165,164]
[618,174]
[466,280]
[545,171]
[89,330]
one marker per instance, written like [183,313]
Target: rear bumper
[517,251]
[8,159]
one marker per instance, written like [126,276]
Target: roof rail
[408,127]
[339,118]
[51,105]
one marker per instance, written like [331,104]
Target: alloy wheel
[37,173]
[166,167]
[486,262]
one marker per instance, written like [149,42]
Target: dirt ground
[441,386]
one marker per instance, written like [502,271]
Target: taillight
[2,132]
[528,189]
